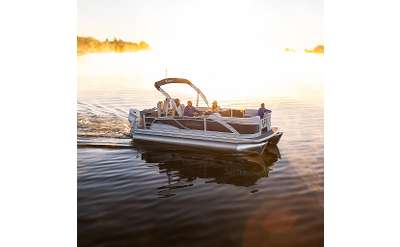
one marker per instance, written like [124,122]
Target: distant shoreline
[87,45]
[319,49]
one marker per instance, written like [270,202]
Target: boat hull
[214,144]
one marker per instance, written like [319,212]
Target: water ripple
[130,195]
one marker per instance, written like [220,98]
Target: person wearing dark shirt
[190,110]
[262,110]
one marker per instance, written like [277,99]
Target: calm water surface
[130,195]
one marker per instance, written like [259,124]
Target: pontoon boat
[228,130]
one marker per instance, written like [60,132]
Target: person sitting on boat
[166,106]
[262,110]
[190,110]
[160,109]
[215,107]
[179,108]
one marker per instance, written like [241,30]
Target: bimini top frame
[165,81]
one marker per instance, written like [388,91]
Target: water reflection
[184,167]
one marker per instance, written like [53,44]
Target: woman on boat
[179,108]
[215,107]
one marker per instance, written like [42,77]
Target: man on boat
[190,110]
[262,110]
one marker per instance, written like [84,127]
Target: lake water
[130,195]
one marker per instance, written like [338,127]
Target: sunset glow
[285,75]
[209,43]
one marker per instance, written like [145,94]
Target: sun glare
[255,74]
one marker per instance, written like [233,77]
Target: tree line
[91,45]
[318,49]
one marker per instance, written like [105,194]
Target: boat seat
[250,112]
[231,113]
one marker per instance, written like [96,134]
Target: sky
[207,24]
[217,43]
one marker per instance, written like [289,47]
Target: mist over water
[130,195]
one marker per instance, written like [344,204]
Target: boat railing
[202,119]
[266,122]
[206,123]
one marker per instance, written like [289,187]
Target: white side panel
[203,144]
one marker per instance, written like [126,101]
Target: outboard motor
[134,118]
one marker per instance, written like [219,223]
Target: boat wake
[101,142]
[99,121]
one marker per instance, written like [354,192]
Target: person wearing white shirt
[180,108]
